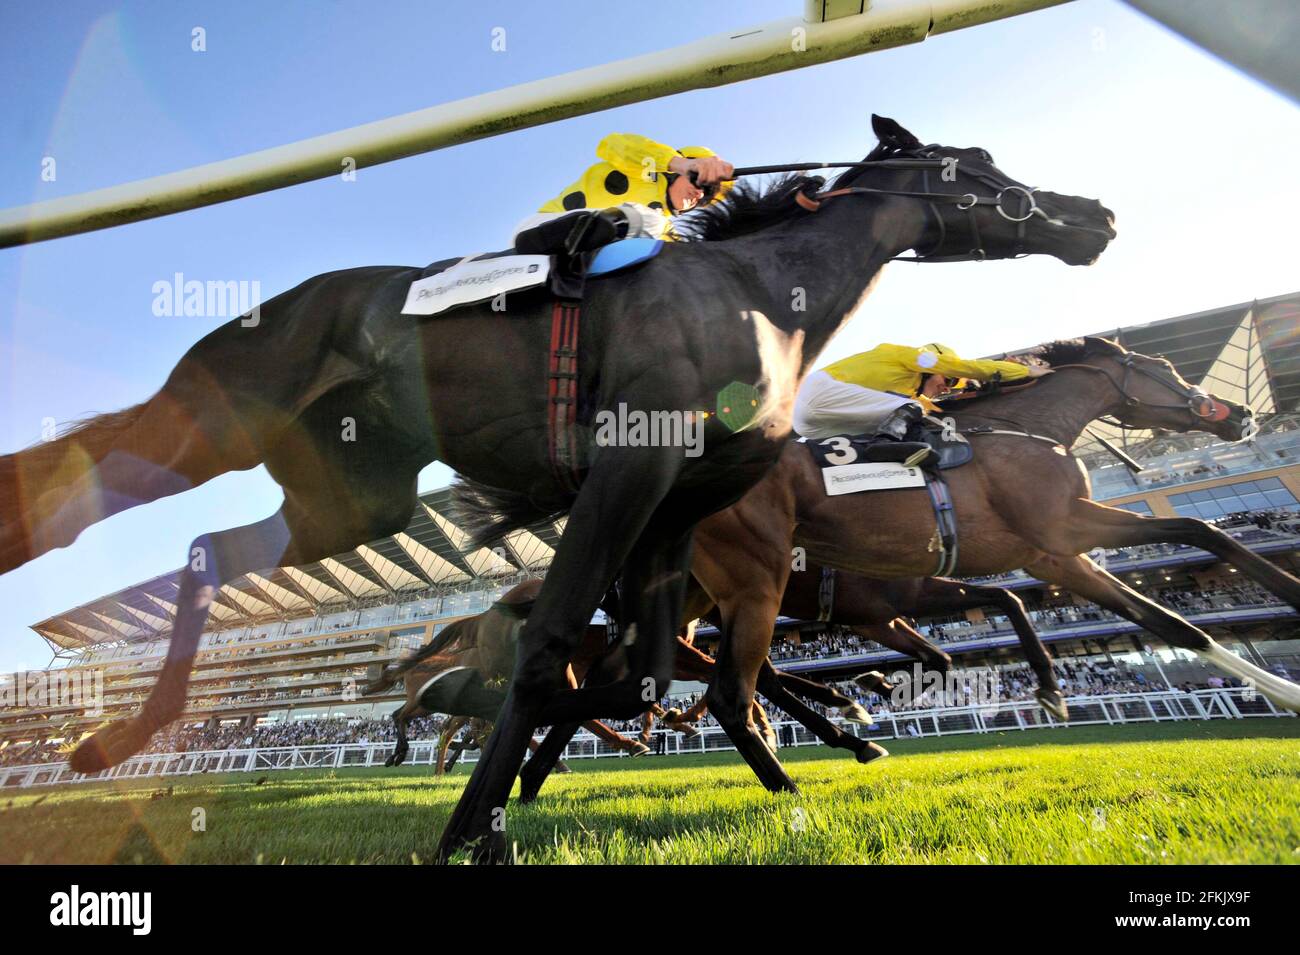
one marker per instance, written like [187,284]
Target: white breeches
[826,407]
[642,221]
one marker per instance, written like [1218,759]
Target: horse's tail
[488,513]
[390,675]
[28,477]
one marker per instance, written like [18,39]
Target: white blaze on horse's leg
[1281,692]
[781,357]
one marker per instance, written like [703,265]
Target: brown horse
[1022,502]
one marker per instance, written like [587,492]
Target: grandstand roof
[1249,353]
[426,556]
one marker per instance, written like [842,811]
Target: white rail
[1111,709]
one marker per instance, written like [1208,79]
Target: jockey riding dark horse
[633,191]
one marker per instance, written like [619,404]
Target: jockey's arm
[951,366]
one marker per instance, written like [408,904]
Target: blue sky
[1090,98]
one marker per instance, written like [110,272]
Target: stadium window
[1233,498]
[1137,507]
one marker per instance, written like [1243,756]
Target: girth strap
[826,595]
[562,395]
[944,541]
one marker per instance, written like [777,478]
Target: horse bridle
[1197,401]
[927,160]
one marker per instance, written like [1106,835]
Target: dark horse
[1022,502]
[345,399]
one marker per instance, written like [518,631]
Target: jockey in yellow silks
[889,389]
[634,190]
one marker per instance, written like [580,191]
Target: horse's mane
[750,206]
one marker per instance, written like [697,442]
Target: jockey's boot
[898,436]
[580,231]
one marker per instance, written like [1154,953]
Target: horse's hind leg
[449,730]
[742,654]
[1040,661]
[1081,576]
[306,528]
[154,450]
[214,560]
[401,717]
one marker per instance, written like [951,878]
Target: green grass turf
[1204,792]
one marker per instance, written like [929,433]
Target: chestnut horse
[1023,502]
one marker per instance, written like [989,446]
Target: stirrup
[919,457]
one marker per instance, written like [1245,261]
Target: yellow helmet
[700,152]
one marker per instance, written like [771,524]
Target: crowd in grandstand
[1013,683]
[181,738]
[842,643]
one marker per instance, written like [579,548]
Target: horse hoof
[1054,703]
[870,752]
[687,730]
[857,713]
[638,749]
[110,746]
[562,768]
[873,681]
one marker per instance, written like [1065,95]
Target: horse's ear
[891,133]
[1096,344]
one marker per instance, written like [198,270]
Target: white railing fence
[1117,708]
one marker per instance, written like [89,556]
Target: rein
[925,160]
[1197,401]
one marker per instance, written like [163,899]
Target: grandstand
[287,651]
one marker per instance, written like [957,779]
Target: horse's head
[978,211]
[1148,392]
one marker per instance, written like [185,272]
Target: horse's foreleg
[606,530]
[742,654]
[1094,525]
[769,684]
[544,760]
[1083,577]
[213,561]
[850,709]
